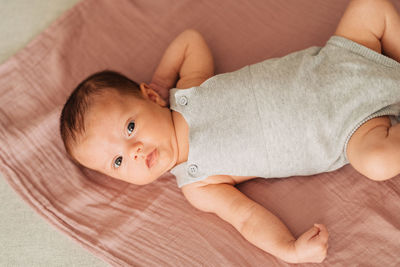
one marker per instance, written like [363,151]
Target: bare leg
[374,24]
[391,36]
[374,149]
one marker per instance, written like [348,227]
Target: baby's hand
[161,89]
[312,245]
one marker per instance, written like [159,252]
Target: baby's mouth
[151,158]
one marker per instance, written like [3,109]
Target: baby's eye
[117,162]
[131,127]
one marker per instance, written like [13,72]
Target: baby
[309,112]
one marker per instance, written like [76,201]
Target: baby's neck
[182,136]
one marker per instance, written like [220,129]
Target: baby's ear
[150,94]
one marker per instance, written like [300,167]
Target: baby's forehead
[104,102]
[104,96]
[88,153]
[100,124]
[108,109]
[102,108]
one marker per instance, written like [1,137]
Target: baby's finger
[321,227]
[323,234]
[313,231]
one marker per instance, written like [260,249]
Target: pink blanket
[154,225]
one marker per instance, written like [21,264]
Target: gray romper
[285,116]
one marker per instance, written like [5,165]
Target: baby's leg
[374,149]
[374,24]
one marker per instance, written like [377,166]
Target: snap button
[192,169]
[183,100]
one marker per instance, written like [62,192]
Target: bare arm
[257,224]
[187,62]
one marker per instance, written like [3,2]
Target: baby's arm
[188,59]
[257,224]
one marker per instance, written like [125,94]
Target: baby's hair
[72,119]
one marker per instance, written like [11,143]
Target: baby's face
[128,138]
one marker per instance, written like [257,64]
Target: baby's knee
[374,149]
[378,163]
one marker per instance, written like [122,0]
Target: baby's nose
[136,151]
